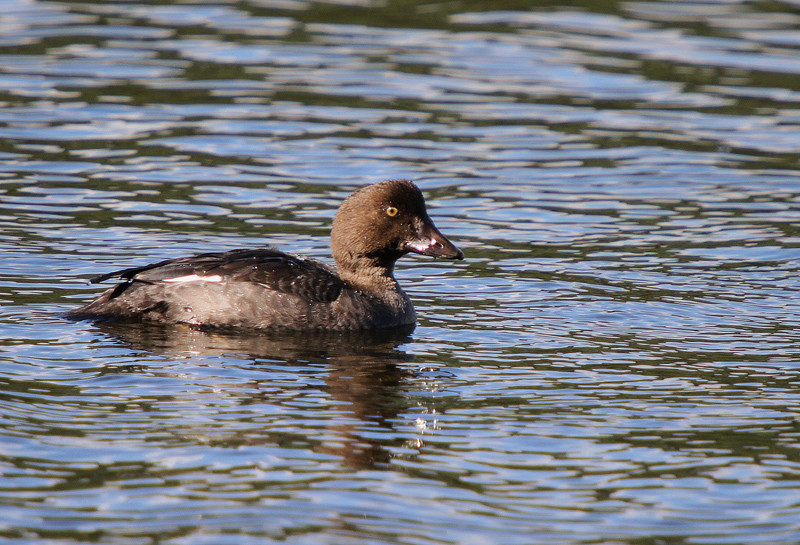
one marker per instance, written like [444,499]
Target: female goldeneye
[268,289]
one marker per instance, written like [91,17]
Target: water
[616,361]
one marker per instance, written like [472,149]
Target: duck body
[268,289]
[259,289]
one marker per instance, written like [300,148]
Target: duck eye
[391,211]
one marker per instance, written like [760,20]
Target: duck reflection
[363,375]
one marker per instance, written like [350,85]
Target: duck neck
[369,274]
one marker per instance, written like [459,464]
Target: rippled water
[616,361]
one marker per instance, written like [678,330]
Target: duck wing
[304,277]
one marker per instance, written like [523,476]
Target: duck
[267,289]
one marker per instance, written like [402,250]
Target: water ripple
[615,360]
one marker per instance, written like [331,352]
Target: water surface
[616,361]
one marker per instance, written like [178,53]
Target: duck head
[380,223]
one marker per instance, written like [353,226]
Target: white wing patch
[195,278]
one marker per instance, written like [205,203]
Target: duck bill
[430,241]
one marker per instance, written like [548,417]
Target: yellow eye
[392,211]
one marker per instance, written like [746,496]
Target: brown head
[380,223]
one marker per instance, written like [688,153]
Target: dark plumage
[268,289]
